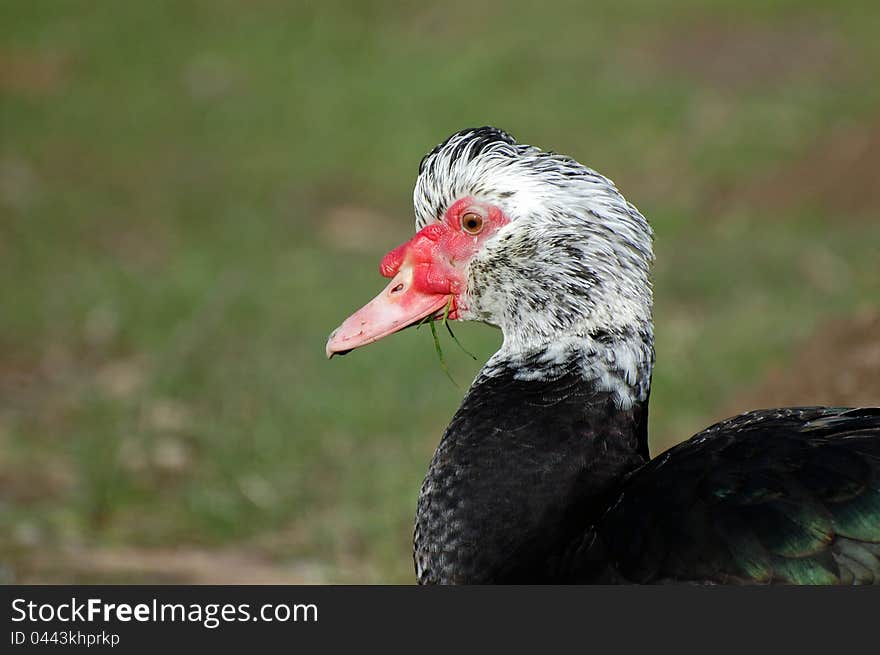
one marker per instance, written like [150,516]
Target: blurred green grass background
[194,193]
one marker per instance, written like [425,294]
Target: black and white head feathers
[569,274]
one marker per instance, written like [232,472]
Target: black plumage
[538,456]
[770,496]
[546,481]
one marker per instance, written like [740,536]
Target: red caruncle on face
[428,273]
[439,253]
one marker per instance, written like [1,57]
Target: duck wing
[786,496]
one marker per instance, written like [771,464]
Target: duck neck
[617,361]
[542,437]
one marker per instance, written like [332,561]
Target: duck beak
[400,304]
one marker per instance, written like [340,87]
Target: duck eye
[472,222]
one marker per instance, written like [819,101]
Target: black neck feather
[523,468]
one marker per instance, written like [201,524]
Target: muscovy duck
[544,475]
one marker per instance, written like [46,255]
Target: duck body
[544,474]
[548,482]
